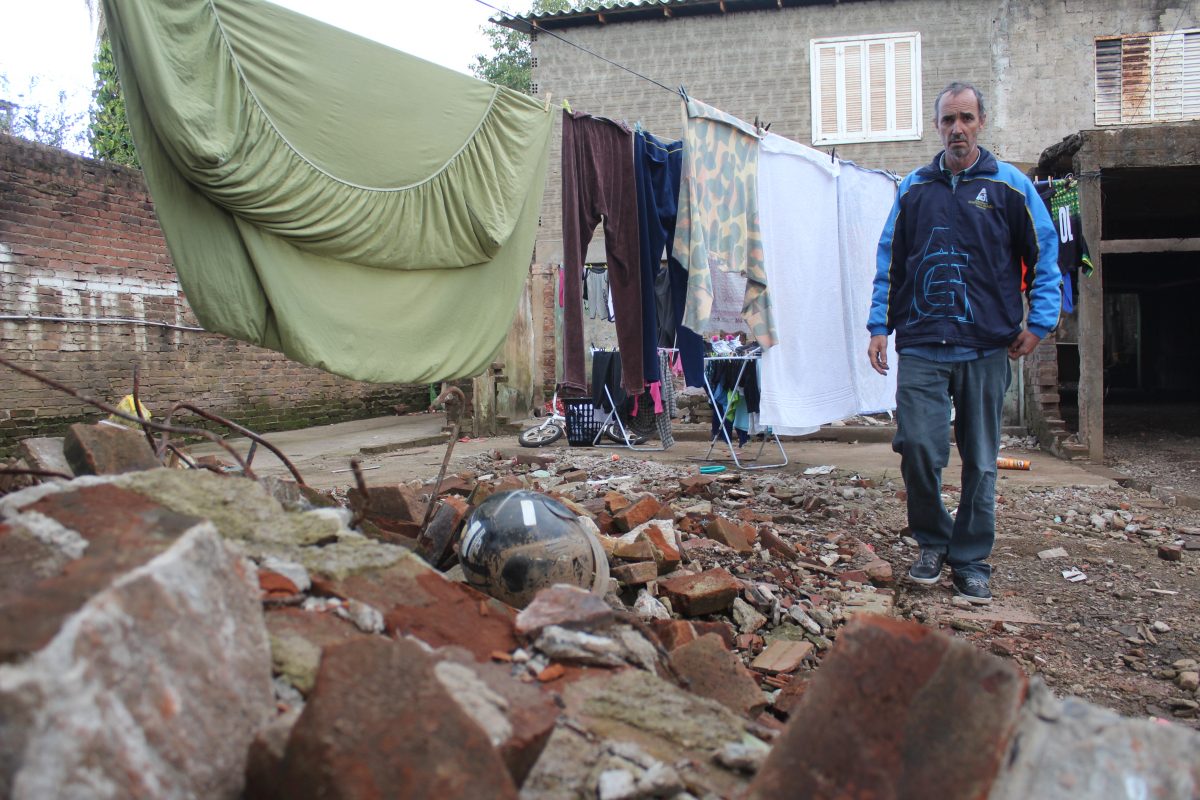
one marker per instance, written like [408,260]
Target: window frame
[1121,99]
[889,134]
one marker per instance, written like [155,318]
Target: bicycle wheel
[612,432]
[544,434]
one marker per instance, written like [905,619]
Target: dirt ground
[1118,637]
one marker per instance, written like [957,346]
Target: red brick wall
[79,239]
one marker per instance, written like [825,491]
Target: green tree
[108,130]
[509,62]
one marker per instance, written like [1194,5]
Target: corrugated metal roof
[598,13]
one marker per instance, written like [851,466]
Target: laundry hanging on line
[598,184]
[329,197]
[812,237]
[1061,197]
[717,236]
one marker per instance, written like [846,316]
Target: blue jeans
[925,389]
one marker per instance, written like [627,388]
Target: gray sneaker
[975,588]
[928,567]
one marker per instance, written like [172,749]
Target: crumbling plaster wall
[1161,146]
[79,239]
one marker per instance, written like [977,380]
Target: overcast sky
[52,41]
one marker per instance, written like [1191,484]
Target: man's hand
[877,353]
[1023,345]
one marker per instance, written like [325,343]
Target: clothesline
[564,40]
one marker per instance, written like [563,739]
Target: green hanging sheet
[359,209]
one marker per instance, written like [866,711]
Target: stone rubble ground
[757,635]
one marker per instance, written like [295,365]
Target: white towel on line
[806,380]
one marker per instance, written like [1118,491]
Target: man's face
[959,124]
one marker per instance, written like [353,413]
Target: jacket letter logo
[940,289]
[982,196]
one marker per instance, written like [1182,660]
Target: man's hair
[955,88]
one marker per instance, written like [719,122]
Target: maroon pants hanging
[598,184]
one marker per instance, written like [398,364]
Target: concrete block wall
[79,239]
[1033,60]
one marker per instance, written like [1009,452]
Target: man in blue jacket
[949,284]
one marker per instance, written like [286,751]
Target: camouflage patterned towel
[717,237]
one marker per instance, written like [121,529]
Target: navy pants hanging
[658,165]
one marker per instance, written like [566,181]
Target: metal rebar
[455,414]
[137,405]
[244,431]
[40,473]
[361,513]
[105,407]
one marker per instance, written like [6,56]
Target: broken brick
[45,453]
[790,696]
[639,549]
[1170,552]
[697,485]
[389,505]
[641,511]
[636,574]
[673,633]
[417,600]
[776,545]
[714,672]
[749,642]
[273,584]
[434,544]
[456,485]
[782,656]
[666,554]
[615,501]
[551,673]
[704,593]
[885,685]
[539,460]
[728,533]
[879,571]
[564,606]
[721,628]
[297,639]
[408,740]
[104,449]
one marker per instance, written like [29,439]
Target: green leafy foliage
[52,124]
[509,63]
[108,130]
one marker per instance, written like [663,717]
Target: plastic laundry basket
[582,425]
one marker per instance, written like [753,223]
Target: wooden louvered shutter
[866,89]
[904,91]
[826,111]
[852,58]
[877,78]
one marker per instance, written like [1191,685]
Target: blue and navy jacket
[949,263]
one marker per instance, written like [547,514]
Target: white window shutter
[866,88]
[1191,75]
